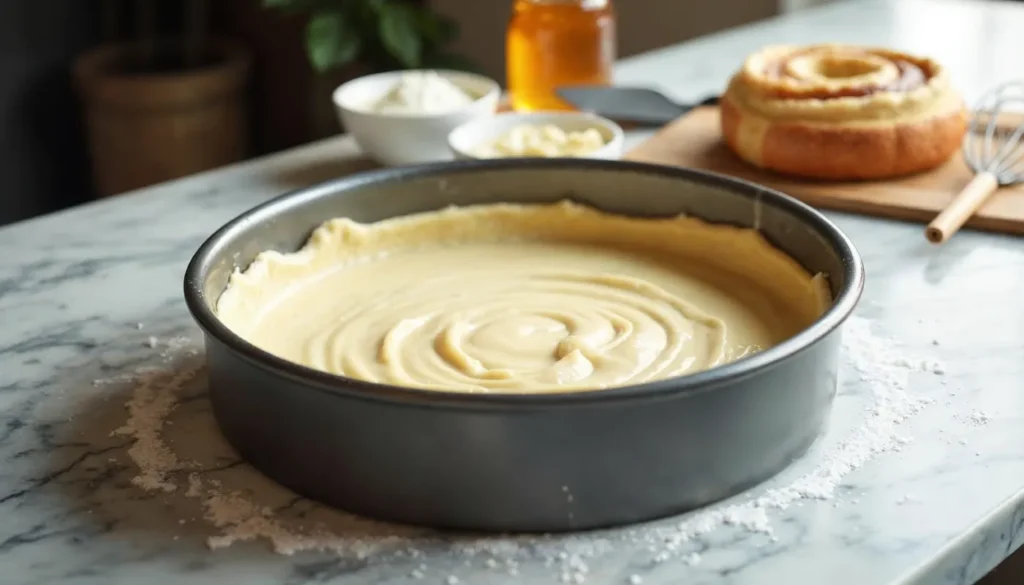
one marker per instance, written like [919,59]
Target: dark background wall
[44,159]
[43,163]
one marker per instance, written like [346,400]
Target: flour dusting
[976,418]
[239,514]
[154,398]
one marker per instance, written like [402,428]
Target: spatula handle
[961,208]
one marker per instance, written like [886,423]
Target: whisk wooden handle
[961,208]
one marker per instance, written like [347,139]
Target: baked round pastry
[842,112]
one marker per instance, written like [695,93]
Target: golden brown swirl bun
[842,112]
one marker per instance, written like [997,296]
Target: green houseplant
[381,35]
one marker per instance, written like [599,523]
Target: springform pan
[525,463]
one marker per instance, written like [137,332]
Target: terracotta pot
[149,126]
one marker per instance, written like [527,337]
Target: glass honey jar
[551,43]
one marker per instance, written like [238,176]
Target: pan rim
[691,384]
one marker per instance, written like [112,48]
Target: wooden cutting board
[695,141]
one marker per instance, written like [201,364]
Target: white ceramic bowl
[399,138]
[473,134]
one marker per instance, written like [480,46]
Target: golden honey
[551,43]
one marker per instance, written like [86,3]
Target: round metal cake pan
[525,463]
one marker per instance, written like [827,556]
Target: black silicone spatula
[639,105]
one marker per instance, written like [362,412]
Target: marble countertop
[919,480]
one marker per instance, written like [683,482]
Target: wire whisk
[993,149]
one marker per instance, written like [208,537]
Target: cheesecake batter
[522,299]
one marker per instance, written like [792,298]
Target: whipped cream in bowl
[404,117]
[423,92]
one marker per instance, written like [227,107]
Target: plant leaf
[331,40]
[288,6]
[450,61]
[436,29]
[400,34]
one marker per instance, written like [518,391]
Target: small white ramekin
[393,139]
[464,140]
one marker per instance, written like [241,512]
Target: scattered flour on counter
[154,398]
[923,365]
[979,418]
[907,499]
[883,372]
[976,418]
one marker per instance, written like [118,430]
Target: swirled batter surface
[521,299]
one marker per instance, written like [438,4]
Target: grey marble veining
[74,286]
